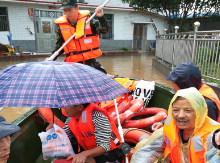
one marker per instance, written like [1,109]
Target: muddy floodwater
[131,65]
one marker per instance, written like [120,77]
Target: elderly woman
[6,129]
[187,133]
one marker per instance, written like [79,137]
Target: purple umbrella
[55,85]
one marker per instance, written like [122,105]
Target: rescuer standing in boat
[84,48]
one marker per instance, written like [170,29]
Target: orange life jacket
[85,45]
[127,83]
[121,100]
[83,129]
[47,114]
[209,93]
[197,142]
[63,112]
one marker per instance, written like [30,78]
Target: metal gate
[4,24]
[45,29]
[139,37]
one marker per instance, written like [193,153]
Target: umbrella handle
[119,126]
[119,123]
[58,51]
[53,114]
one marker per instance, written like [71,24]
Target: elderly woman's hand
[156,126]
[217,138]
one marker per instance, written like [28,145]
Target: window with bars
[4,24]
[109,35]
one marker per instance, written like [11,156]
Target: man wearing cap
[84,48]
[187,75]
[6,129]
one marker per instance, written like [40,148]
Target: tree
[178,10]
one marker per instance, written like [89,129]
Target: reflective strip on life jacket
[65,29]
[168,121]
[214,123]
[216,98]
[84,117]
[197,144]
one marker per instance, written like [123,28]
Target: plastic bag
[144,90]
[55,143]
[212,155]
[150,150]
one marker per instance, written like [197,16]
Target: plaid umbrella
[54,85]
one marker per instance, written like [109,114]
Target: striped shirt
[103,132]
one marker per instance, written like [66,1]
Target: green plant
[211,80]
[125,49]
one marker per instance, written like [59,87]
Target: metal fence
[200,47]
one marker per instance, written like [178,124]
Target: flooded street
[131,65]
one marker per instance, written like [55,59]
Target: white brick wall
[19,20]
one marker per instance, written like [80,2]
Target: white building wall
[19,20]
[123,28]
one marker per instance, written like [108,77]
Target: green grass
[211,80]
